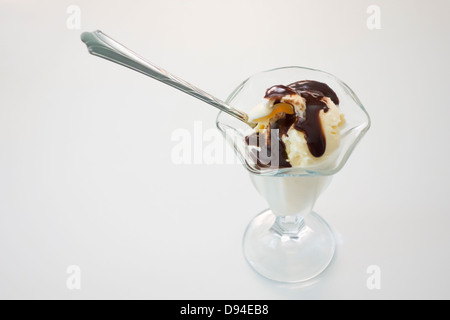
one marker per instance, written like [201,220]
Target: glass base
[289,254]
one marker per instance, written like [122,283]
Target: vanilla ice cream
[296,125]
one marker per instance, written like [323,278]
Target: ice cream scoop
[296,125]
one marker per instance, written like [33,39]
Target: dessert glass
[289,242]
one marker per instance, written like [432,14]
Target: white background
[86,176]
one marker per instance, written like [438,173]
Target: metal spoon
[99,44]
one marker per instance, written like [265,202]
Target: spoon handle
[99,44]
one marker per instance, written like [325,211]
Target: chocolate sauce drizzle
[312,92]
[279,91]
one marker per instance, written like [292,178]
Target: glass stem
[289,226]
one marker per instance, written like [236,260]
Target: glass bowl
[289,242]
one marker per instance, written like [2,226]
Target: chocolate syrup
[265,157]
[310,125]
[279,91]
[316,88]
